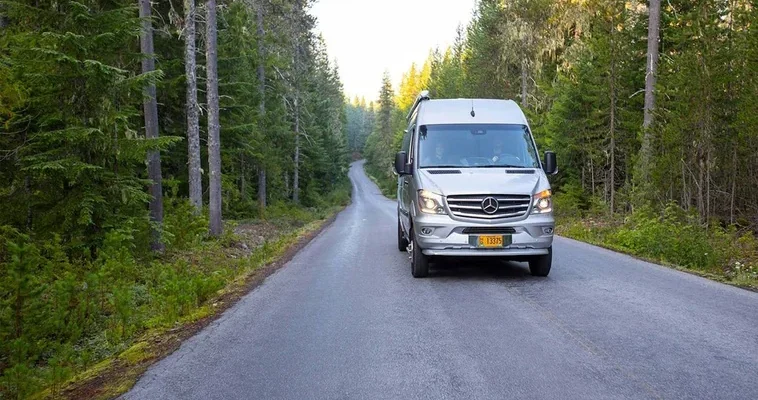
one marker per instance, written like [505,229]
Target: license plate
[491,241]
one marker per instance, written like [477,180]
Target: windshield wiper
[442,166]
[503,166]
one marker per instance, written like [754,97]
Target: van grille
[508,206]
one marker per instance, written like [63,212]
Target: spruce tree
[214,140]
[151,127]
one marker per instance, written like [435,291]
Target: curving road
[345,320]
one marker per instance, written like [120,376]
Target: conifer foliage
[75,221]
[647,104]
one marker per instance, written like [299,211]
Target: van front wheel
[419,261]
[540,265]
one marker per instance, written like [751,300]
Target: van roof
[458,111]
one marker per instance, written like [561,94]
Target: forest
[650,107]
[133,134]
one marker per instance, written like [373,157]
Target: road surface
[345,320]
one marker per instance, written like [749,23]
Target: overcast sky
[367,37]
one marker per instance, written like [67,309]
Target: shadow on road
[480,269]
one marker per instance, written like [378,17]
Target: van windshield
[476,146]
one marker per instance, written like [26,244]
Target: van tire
[540,265]
[419,261]
[402,242]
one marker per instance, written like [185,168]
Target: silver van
[471,183]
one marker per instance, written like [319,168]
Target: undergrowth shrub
[672,235]
[63,309]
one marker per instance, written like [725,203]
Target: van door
[404,182]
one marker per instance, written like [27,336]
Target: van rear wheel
[419,261]
[540,265]
[402,242]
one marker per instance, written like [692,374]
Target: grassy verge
[90,330]
[387,184]
[675,239]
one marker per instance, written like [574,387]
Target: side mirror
[550,167]
[400,165]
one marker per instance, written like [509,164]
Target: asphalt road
[345,320]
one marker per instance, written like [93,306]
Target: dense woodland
[650,107]
[127,126]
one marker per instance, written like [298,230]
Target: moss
[137,353]
[198,314]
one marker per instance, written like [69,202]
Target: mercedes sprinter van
[471,183]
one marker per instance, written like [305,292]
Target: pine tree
[214,144]
[193,123]
[261,71]
[651,67]
[151,127]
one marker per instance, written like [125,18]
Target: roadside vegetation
[648,105]
[152,155]
[69,315]
[671,237]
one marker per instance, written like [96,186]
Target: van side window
[411,130]
[406,141]
[411,136]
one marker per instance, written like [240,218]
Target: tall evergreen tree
[214,140]
[151,127]
[261,38]
[193,123]
[651,68]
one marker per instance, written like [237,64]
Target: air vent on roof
[520,171]
[444,171]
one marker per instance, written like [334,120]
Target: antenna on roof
[473,113]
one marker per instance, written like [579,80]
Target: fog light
[547,230]
[427,231]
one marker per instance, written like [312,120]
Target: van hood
[483,181]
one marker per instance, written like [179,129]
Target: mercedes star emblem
[490,205]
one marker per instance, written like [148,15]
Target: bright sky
[367,37]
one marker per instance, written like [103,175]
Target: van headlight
[543,202]
[430,203]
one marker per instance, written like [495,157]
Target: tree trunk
[193,123]
[613,126]
[701,190]
[734,185]
[524,82]
[243,178]
[151,129]
[262,105]
[28,194]
[592,175]
[3,20]
[296,178]
[214,143]
[653,38]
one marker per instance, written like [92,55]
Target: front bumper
[447,237]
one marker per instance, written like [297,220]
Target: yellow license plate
[491,241]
